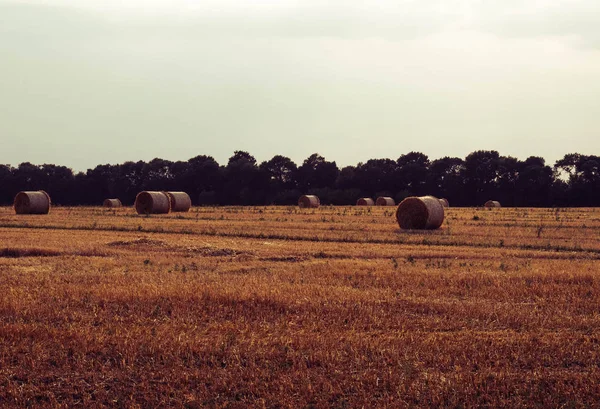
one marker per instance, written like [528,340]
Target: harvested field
[286,307]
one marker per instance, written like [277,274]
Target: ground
[279,307]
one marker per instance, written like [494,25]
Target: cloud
[294,78]
[304,19]
[392,20]
[577,19]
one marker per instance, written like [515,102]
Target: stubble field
[277,307]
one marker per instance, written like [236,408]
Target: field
[277,307]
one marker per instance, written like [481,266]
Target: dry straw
[152,203]
[37,202]
[180,201]
[420,213]
[492,203]
[385,201]
[444,202]
[112,203]
[365,201]
[309,201]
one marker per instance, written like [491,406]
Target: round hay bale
[152,203]
[180,201]
[365,201]
[309,201]
[112,203]
[492,204]
[385,201]
[35,202]
[420,213]
[444,202]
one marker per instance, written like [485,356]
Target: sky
[88,82]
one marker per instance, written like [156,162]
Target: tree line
[574,180]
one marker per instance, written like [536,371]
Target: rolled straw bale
[492,203]
[152,203]
[309,201]
[36,202]
[385,201]
[180,201]
[112,203]
[365,201]
[424,212]
[444,202]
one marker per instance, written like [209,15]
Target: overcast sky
[87,82]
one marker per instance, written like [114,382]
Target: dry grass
[284,307]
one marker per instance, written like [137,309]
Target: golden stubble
[282,307]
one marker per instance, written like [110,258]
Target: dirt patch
[286,259]
[18,253]
[217,252]
[138,242]
[33,252]
[206,251]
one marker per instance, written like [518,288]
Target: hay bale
[35,202]
[385,201]
[152,203]
[309,201]
[112,203]
[180,201]
[444,202]
[424,212]
[365,201]
[492,204]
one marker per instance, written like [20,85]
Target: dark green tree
[316,173]
[377,177]
[446,180]
[534,183]
[412,173]
[481,177]
[244,183]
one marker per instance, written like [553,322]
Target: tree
[376,176]
[59,181]
[583,178]
[203,174]
[159,175]
[279,175]
[130,179]
[480,175]
[243,183]
[347,178]
[569,165]
[30,177]
[506,180]
[534,183]
[99,184]
[202,178]
[8,188]
[317,173]
[446,180]
[281,171]
[412,173]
